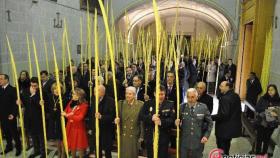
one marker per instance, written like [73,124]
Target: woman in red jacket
[75,113]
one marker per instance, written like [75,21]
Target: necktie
[192,110]
[169,89]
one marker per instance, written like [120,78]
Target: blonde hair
[81,94]
[100,80]
[54,86]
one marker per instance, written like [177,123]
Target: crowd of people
[136,108]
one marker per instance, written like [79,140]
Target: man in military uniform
[164,120]
[130,124]
[196,125]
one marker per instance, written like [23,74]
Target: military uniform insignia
[151,109]
[199,115]
[167,110]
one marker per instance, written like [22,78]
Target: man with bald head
[106,115]
[228,120]
[203,97]
[195,126]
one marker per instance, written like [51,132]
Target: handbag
[271,121]
[276,136]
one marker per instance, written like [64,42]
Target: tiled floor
[238,146]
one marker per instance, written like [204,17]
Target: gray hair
[192,90]
[131,89]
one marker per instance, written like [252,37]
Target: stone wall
[36,18]
[275,64]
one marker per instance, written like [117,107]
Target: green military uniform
[130,128]
[196,123]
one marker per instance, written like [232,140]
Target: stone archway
[208,13]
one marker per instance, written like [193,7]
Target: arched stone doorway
[194,18]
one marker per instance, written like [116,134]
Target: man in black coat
[171,89]
[151,81]
[228,120]
[171,95]
[253,90]
[106,114]
[128,78]
[140,88]
[164,120]
[46,83]
[193,72]
[85,78]
[203,97]
[46,88]
[8,114]
[231,68]
[33,117]
[110,87]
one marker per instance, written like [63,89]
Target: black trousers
[173,141]
[250,114]
[38,143]
[189,153]
[108,153]
[9,128]
[263,138]
[91,140]
[92,146]
[162,146]
[224,144]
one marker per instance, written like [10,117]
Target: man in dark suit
[46,82]
[253,90]
[203,97]
[165,120]
[8,114]
[128,78]
[85,78]
[140,88]
[227,77]
[228,120]
[171,94]
[192,63]
[106,115]
[171,89]
[151,81]
[33,116]
[110,87]
[46,88]
[231,68]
